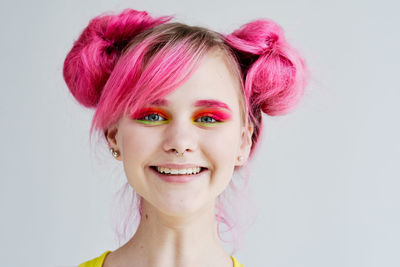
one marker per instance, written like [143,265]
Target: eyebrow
[211,103]
[199,103]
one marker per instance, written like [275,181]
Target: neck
[165,240]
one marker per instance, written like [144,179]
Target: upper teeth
[194,170]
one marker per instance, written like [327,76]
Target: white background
[326,177]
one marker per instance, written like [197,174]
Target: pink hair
[121,62]
[274,73]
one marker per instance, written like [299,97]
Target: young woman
[180,107]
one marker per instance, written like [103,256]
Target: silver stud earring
[240,158]
[114,152]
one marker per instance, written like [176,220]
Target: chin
[181,204]
[178,199]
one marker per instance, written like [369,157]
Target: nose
[180,137]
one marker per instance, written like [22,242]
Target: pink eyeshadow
[216,114]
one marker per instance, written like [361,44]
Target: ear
[111,136]
[245,145]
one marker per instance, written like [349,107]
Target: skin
[178,226]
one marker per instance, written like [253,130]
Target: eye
[211,117]
[153,117]
[206,119]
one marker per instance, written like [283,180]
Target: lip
[178,166]
[178,178]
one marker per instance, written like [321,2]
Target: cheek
[221,149]
[137,146]
[224,146]
[136,143]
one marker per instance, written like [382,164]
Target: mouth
[178,172]
[178,176]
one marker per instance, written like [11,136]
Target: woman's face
[202,119]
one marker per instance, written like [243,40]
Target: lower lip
[181,178]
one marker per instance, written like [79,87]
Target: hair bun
[275,74]
[257,37]
[93,56]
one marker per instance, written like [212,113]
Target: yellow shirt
[98,262]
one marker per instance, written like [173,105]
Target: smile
[178,175]
[183,171]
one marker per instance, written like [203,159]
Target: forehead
[212,80]
[199,103]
